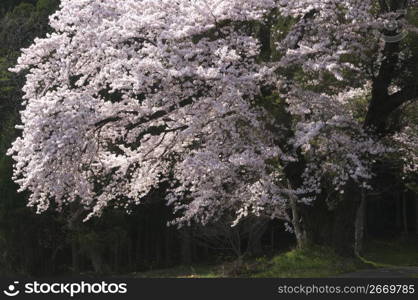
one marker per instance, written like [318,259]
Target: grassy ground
[402,251]
[314,262]
[197,271]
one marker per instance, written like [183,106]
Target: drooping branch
[156,115]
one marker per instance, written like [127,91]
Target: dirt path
[395,272]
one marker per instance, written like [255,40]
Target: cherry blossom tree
[158,90]
[123,96]
[352,41]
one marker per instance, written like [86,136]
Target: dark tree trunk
[344,222]
[96,259]
[334,227]
[254,238]
[158,250]
[398,211]
[404,213]
[186,246]
[73,224]
[75,257]
[360,225]
[168,247]
[416,212]
[300,231]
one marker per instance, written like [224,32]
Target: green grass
[389,253]
[197,271]
[313,262]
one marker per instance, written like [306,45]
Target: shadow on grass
[400,252]
[313,262]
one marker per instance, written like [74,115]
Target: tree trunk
[416,213]
[334,227]
[96,260]
[359,225]
[186,246]
[73,224]
[404,213]
[255,235]
[158,250]
[75,262]
[344,227]
[94,252]
[300,233]
[167,241]
[398,211]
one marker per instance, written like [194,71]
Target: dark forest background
[55,243]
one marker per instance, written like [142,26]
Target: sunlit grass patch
[312,262]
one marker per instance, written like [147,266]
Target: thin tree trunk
[255,234]
[300,233]
[404,214]
[73,224]
[416,213]
[398,211]
[186,246]
[167,247]
[158,250]
[75,256]
[359,225]
[116,254]
[96,259]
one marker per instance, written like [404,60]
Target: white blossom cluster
[334,144]
[122,95]
[407,141]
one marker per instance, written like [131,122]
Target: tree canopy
[238,115]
